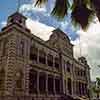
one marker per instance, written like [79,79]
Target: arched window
[2,78]
[50,60]
[19,79]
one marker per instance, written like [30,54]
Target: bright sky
[41,23]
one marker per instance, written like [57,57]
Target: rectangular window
[69,86]
[50,84]
[68,66]
[5,47]
[32,82]
[42,57]
[57,86]
[57,63]
[22,48]
[33,54]
[50,60]
[42,83]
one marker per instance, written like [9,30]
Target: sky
[41,23]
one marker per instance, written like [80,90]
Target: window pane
[50,60]
[33,53]
[2,78]
[42,57]
[68,66]
[32,81]
[42,83]
[50,84]
[69,86]
[57,63]
[57,85]
[22,48]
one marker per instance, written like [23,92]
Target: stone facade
[34,69]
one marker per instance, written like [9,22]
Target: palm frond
[87,3]
[98,81]
[60,9]
[81,14]
[40,2]
[96,7]
[82,10]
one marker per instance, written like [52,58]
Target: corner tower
[14,61]
[17,18]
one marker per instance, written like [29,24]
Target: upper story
[58,49]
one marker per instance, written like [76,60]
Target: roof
[17,13]
[61,33]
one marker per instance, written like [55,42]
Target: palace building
[34,69]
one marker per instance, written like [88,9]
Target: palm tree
[82,11]
[96,88]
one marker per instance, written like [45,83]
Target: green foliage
[95,90]
[60,9]
[96,87]
[82,11]
[98,81]
[40,2]
[81,15]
